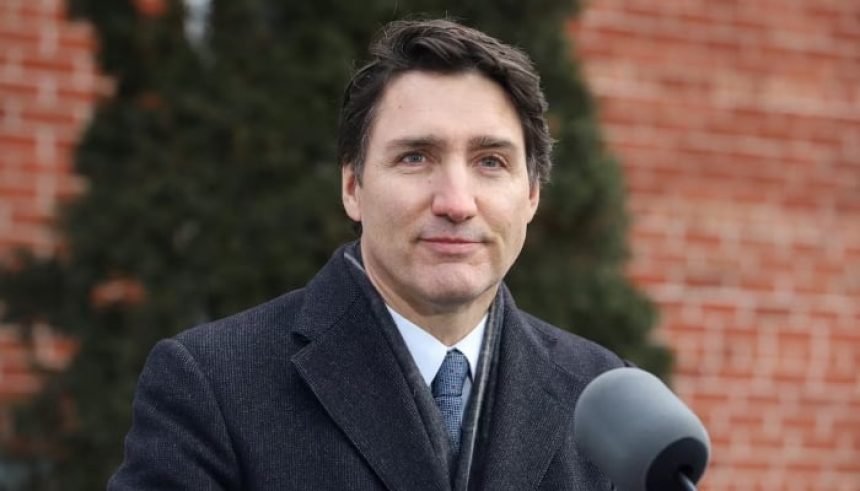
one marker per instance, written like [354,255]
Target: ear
[350,191]
[534,199]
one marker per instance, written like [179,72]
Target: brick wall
[48,84]
[738,125]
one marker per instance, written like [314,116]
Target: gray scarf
[476,419]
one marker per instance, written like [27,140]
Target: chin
[456,292]
[452,297]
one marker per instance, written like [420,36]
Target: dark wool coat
[305,392]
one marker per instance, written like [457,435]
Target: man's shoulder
[571,352]
[252,329]
[268,328]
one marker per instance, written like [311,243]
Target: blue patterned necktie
[447,390]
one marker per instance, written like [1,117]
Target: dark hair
[446,47]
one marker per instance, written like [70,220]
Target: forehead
[451,107]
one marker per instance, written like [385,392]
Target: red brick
[741,107]
[18,38]
[43,64]
[27,64]
[778,140]
[81,39]
[16,141]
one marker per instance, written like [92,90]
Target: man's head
[444,152]
[445,47]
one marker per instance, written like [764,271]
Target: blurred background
[166,162]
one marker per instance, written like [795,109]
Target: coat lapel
[532,408]
[350,367]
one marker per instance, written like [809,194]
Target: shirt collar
[429,353]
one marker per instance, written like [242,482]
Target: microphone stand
[686,483]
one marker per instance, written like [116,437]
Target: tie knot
[451,376]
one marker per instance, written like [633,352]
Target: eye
[412,158]
[491,162]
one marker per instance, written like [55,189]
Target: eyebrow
[481,142]
[490,142]
[415,142]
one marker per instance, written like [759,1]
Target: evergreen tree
[212,186]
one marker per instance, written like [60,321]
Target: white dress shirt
[429,353]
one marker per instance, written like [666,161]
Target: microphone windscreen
[635,430]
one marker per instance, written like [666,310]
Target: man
[404,364]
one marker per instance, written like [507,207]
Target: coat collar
[531,409]
[350,367]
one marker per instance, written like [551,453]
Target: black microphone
[635,430]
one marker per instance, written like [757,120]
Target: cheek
[389,209]
[509,216]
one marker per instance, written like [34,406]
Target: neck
[449,327]
[449,323]
[447,319]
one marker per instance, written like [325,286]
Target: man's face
[445,196]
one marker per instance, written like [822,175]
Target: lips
[448,245]
[450,240]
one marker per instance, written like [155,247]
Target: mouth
[450,245]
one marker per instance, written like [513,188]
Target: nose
[453,193]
